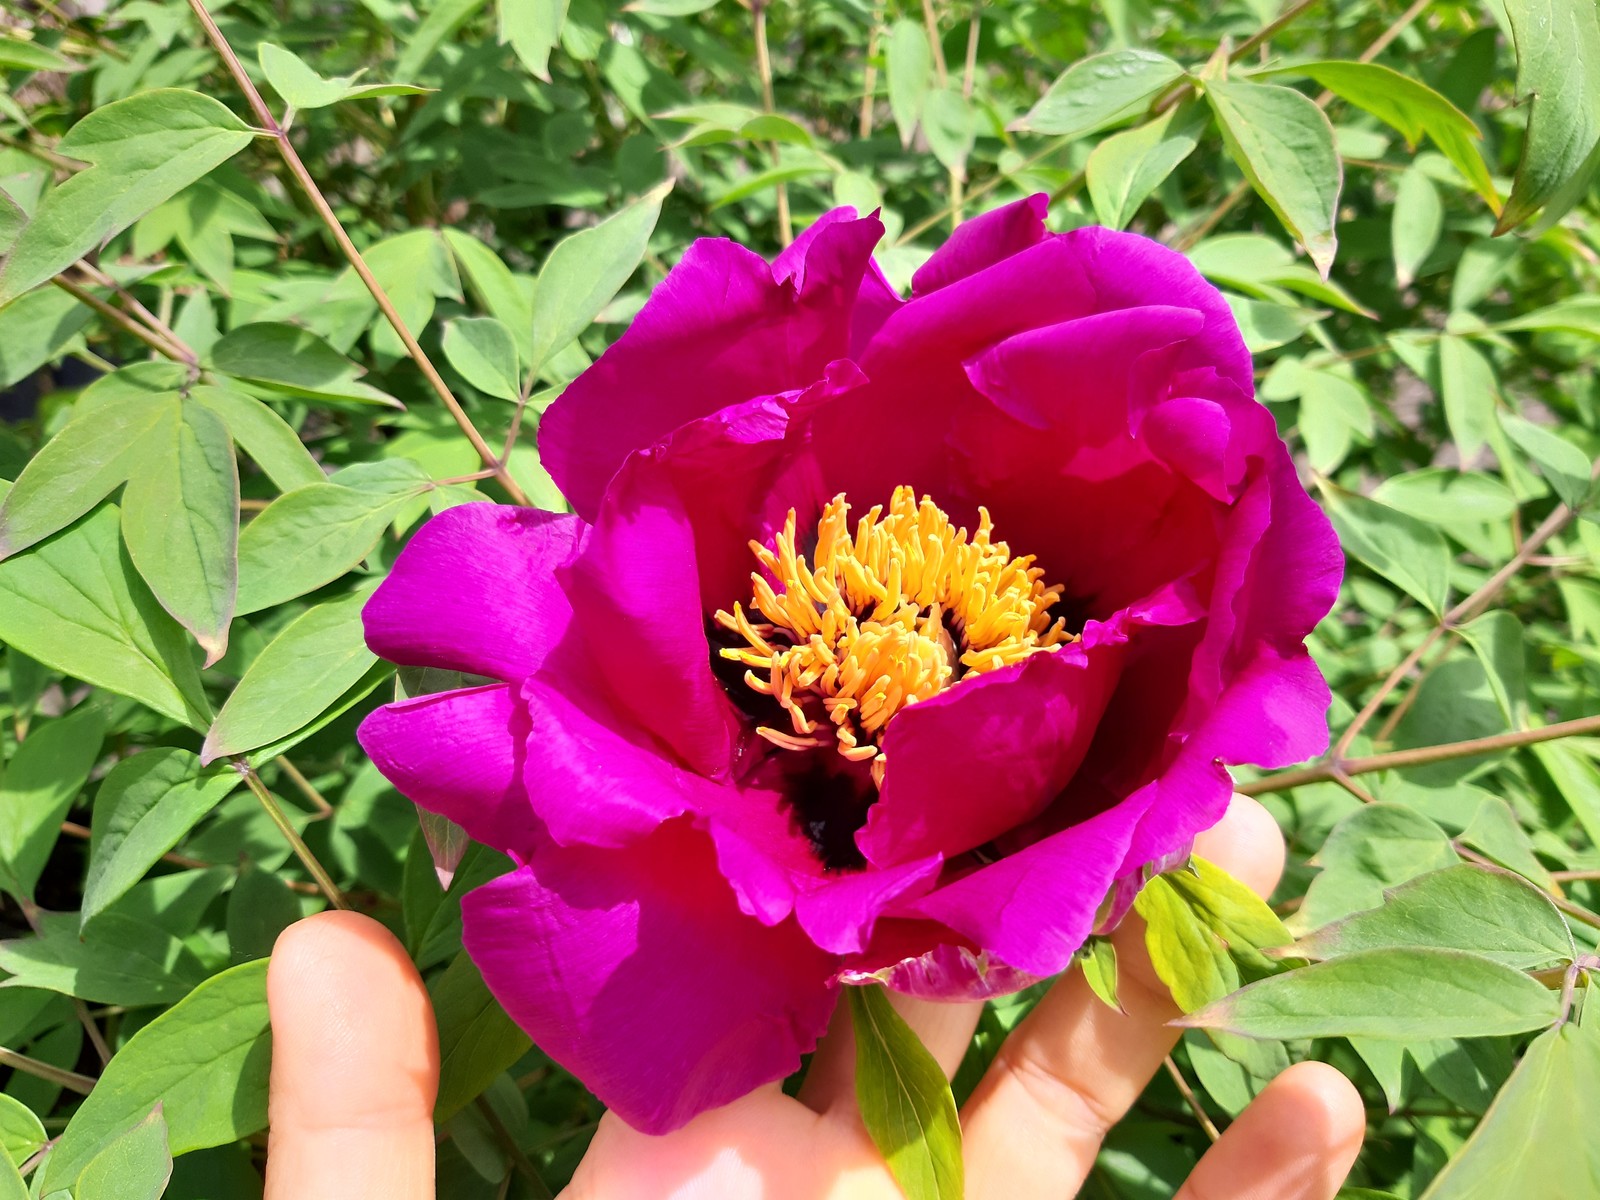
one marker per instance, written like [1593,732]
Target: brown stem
[1191,1099]
[52,1074]
[313,193]
[132,303]
[931,23]
[122,320]
[969,70]
[758,9]
[1574,876]
[291,835]
[869,77]
[1420,756]
[324,809]
[1465,611]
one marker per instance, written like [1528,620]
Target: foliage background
[1438,386]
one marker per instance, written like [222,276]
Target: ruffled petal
[838,910]
[983,241]
[636,971]
[459,754]
[593,777]
[474,590]
[1033,909]
[721,328]
[636,586]
[973,762]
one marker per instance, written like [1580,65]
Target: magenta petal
[982,242]
[717,331]
[459,754]
[973,762]
[1033,909]
[474,591]
[594,778]
[636,971]
[636,589]
[838,910]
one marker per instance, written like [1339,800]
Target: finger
[355,1065]
[1071,1070]
[1297,1141]
[945,1029]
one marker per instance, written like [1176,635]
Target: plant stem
[758,9]
[869,75]
[1181,92]
[324,809]
[1191,1099]
[519,1160]
[313,193]
[1420,756]
[132,303]
[1465,611]
[291,835]
[43,1070]
[122,320]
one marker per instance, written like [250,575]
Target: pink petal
[982,242]
[459,754]
[636,971]
[474,591]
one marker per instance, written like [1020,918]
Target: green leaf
[91,457]
[1443,496]
[141,151]
[496,289]
[1100,90]
[586,269]
[1410,106]
[1467,385]
[310,537]
[117,961]
[1537,1137]
[1580,315]
[533,28]
[1126,167]
[1576,779]
[1284,145]
[1416,225]
[1558,71]
[37,327]
[260,907]
[1187,956]
[75,603]
[909,67]
[484,353]
[12,1185]
[263,435]
[1393,994]
[950,126]
[1483,910]
[289,359]
[205,1061]
[477,1041]
[1333,413]
[44,776]
[22,1134]
[905,1100]
[146,804]
[1374,848]
[180,519]
[1409,554]
[1098,958]
[19,55]
[1497,639]
[302,87]
[1564,465]
[134,1166]
[1239,917]
[301,672]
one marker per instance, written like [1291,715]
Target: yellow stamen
[895,613]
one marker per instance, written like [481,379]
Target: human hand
[355,1068]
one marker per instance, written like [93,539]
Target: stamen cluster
[905,608]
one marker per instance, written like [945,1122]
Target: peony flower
[892,640]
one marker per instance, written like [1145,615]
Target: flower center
[906,608]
